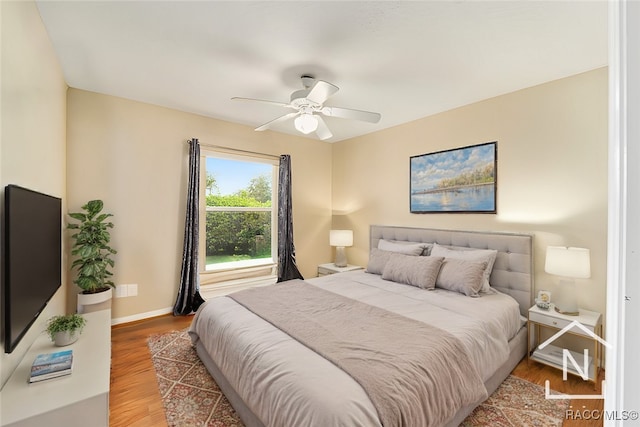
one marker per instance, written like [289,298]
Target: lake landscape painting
[461,180]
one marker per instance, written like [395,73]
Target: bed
[272,379]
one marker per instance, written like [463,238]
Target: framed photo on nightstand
[544,296]
[544,300]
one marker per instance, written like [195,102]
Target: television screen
[32,258]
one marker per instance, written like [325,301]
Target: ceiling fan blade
[323,131]
[321,91]
[279,104]
[347,113]
[277,120]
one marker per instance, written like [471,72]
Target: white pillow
[408,248]
[477,255]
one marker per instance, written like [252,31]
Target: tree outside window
[239,213]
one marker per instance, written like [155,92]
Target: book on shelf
[51,365]
[554,355]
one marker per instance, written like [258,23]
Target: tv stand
[79,399]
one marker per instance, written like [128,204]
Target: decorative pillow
[407,248]
[461,276]
[487,256]
[411,270]
[377,260]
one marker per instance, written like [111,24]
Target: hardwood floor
[135,400]
[585,411]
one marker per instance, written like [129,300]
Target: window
[238,203]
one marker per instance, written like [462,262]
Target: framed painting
[461,180]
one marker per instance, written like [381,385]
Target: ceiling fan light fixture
[306,123]
[309,109]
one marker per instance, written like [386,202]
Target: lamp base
[341,257]
[568,313]
[566,298]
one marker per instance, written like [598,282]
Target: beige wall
[134,156]
[552,172]
[32,140]
[552,178]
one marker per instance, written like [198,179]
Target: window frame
[237,272]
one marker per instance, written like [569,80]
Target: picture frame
[544,300]
[460,180]
[544,296]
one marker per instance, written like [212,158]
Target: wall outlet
[126,290]
[121,291]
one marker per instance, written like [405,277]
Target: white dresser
[79,399]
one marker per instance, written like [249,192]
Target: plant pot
[94,302]
[63,338]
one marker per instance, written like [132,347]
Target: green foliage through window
[239,233]
[234,235]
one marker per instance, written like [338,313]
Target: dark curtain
[287,268]
[189,298]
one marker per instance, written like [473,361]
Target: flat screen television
[32,258]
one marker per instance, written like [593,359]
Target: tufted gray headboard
[513,270]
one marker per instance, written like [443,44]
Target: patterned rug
[191,398]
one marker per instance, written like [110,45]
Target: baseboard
[141,316]
[208,291]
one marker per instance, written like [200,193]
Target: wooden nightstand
[552,355]
[330,268]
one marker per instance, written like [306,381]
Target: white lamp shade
[568,262]
[341,237]
[306,123]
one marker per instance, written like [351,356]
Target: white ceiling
[405,60]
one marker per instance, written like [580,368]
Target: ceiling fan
[309,108]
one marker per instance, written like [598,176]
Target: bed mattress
[284,383]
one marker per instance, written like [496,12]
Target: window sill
[222,277]
[224,288]
[237,265]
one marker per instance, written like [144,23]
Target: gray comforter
[285,384]
[415,374]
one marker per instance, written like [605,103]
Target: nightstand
[552,355]
[330,268]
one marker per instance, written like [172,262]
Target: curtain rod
[237,150]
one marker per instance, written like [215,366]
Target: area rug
[517,402]
[192,399]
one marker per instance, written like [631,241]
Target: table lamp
[340,239]
[571,263]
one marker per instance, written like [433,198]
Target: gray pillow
[411,270]
[462,276]
[488,256]
[407,248]
[377,260]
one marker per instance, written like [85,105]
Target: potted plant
[65,329]
[93,254]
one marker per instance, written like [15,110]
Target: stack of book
[51,365]
[554,356]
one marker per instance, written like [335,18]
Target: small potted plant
[93,254]
[65,329]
